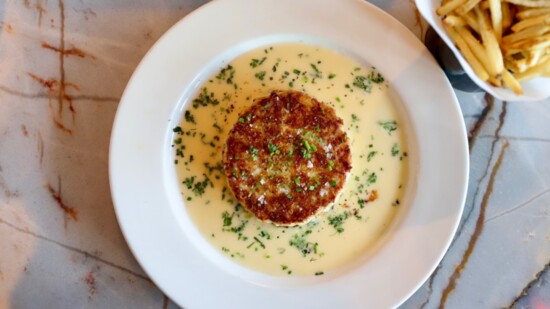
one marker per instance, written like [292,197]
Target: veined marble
[63,67]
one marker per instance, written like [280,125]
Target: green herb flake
[372,178]
[273,149]
[371,155]
[226,74]
[204,99]
[394,150]
[189,117]
[337,221]
[257,62]
[260,75]
[227,219]
[389,126]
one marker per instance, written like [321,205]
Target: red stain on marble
[46,83]
[90,282]
[24,130]
[9,28]
[56,195]
[68,52]
[57,92]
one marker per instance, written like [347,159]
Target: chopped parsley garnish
[316,72]
[389,126]
[338,220]
[319,273]
[372,178]
[257,62]
[260,75]
[363,82]
[376,77]
[331,75]
[273,149]
[371,155]
[189,117]
[302,244]
[198,187]
[226,74]
[394,150]
[227,219]
[205,99]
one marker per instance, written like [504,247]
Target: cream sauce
[379,159]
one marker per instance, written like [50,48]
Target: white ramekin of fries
[503,45]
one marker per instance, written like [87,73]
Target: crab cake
[287,158]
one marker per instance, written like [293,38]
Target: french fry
[496,18]
[494,81]
[449,7]
[490,42]
[530,22]
[454,21]
[532,13]
[512,83]
[534,57]
[477,49]
[531,3]
[505,42]
[463,47]
[467,6]
[534,71]
[527,33]
[506,16]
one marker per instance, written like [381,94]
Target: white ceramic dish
[146,195]
[534,90]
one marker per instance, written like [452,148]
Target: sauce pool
[374,186]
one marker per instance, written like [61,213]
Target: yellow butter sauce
[371,195]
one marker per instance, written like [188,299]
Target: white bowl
[533,90]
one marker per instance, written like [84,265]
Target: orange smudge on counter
[24,130]
[68,52]
[9,28]
[90,282]
[56,195]
[47,83]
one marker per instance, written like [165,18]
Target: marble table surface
[63,67]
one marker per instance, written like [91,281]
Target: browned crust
[287,157]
